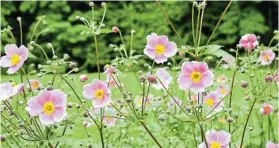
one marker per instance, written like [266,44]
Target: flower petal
[5,61]
[23,52]
[11,49]
[46,119]
[59,114]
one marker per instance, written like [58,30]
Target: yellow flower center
[48,108]
[99,94]
[35,85]
[15,59]
[159,49]
[215,145]
[139,101]
[266,57]
[13,84]
[209,102]
[196,76]
[108,119]
[223,91]
[222,120]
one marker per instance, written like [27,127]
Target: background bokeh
[259,17]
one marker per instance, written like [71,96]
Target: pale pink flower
[266,57]
[83,78]
[223,90]
[222,79]
[111,81]
[248,41]
[35,84]
[98,92]
[213,101]
[14,57]
[109,70]
[50,106]
[8,89]
[271,145]
[86,124]
[159,48]
[109,121]
[216,139]
[266,109]
[139,99]
[165,78]
[174,102]
[195,76]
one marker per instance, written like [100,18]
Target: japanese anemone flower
[216,139]
[159,48]
[50,106]
[195,76]
[14,57]
[98,92]
[248,42]
[266,57]
[9,89]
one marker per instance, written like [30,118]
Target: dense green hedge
[144,17]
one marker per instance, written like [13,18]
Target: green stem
[149,132]
[97,56]
[219,21]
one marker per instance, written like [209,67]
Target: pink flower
[109,70]
[223,90]
[159,48]
[266,109]
[86,124]
[8,89]
[212,100]
[14,57]
[266,57]
[109,121]
[222,79]
[248,41]
[115,29]
[50,106]
[165,78]
[138,100]
[174,102]
[216,139]
[111,81]
[195,76]
[83,78]
[35,84]
[98,92]
[271,145]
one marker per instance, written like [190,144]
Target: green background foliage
[64,33]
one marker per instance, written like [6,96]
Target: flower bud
[182,54]
[133,31]
[103,4]
[72,65]
[66,56]
[70,105]
[85,114]
[91,4]
[83,78]
[151,79]
[49,45]
[244,84]
[142,79]
[115,29]
[76,69]
[238,46]
[268,78]
[55,57]
[230,119]
[77,17]
[3,138]
[18,18]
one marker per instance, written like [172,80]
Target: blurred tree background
[259,17]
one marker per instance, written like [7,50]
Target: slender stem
[97,56]
[10,135]
[145,99]
[193,26]
[197,27]
[35,29]
[27,80]
[200,27]
[271,41]
[20,28]
[149,132]
[42,50]
[168,19]
[71,88]
[219,21]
